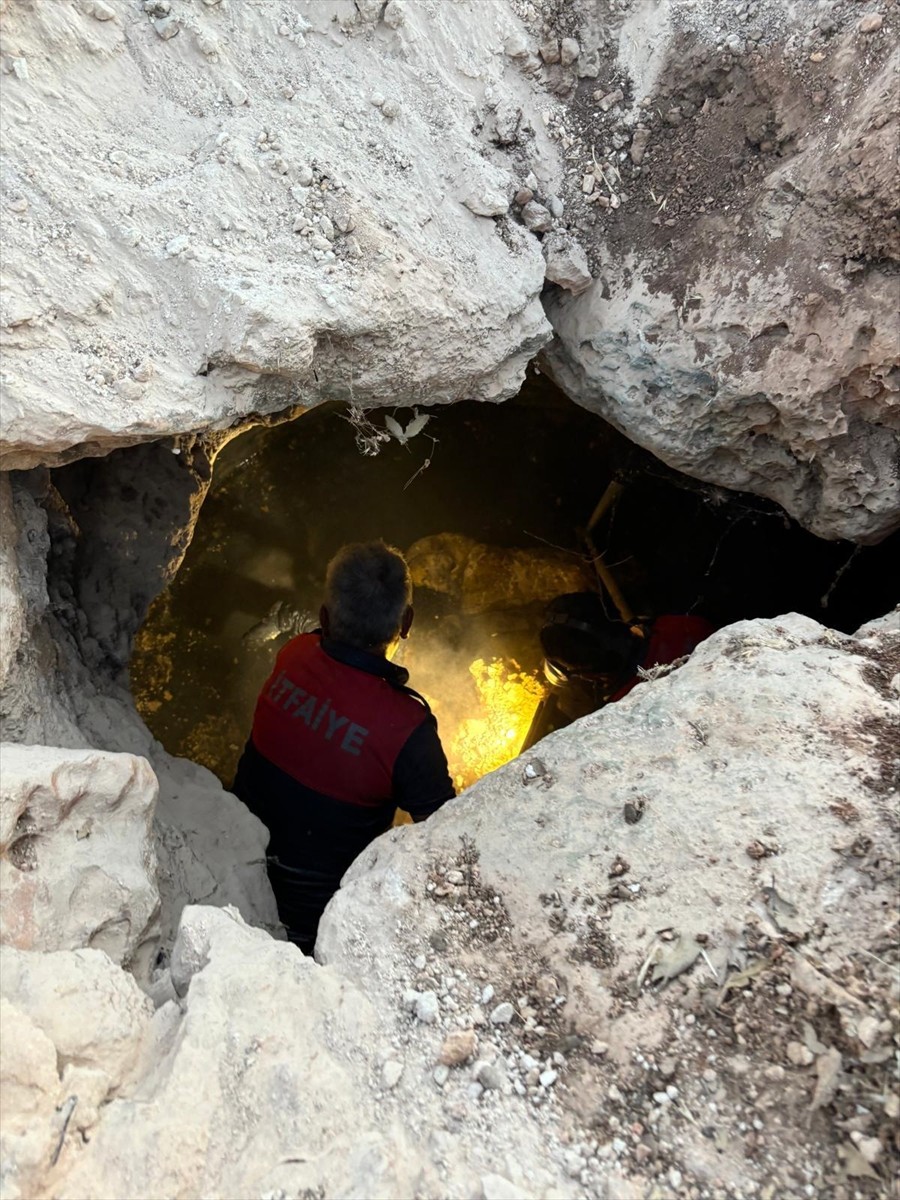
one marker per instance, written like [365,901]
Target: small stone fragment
[305,176]
[516,46]
[391,1073]
[486,203]
[550,51]
[599,1048]
[870,1148]
[459,1046]
[177,245]
[523,196]
[634,810]
[548,1078]
[440,1074]
[502,1014]
[427,1008]
[391,109]
[619,867]
[587,183]
[101,12]
[20,69]
[537,218]
[568,51]
[236,94]
[167,28]
[490,1076]
[498,1187]
[639,145]
[393,15]
[567,264]
[607,100]
[871,23]
[327,227]
[18,204]
[867,1031]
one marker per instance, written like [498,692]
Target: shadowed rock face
[743,323]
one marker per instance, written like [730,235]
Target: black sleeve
[421,778]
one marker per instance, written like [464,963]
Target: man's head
[368,597]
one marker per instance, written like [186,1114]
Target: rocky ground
[621,966]
[658,956]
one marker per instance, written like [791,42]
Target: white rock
[537,218]
[567,263]
[391,1073]
[486,203]
[394,14]
[100,11]
[502,1014]
[498,1187]
[427,1008]
[77,864]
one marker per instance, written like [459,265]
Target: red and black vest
[339,742]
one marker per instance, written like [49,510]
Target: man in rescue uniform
[339,741]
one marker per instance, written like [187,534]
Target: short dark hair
[368,588]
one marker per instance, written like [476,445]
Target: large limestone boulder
[77,862]
[679,905]
[72,1028]
[308,212]
[742,323]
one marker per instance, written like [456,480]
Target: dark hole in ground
[524,474]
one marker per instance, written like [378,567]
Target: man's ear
[407,621]
[324,620]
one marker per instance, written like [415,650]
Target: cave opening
[490,503]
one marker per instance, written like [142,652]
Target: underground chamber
[501,511]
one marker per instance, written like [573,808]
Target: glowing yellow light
[507,701]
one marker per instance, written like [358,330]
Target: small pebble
[502,1014]
[871,23]
[568,51]
[167,28]
[548,1078]
[441,1074]
[427,1008]
[490,1076]
[799,1054]
[458,1047]
[391,1073]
